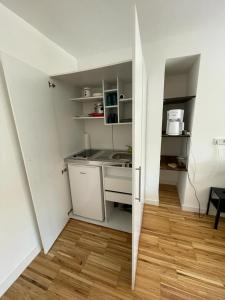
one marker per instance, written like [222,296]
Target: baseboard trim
[152,202]
[7,282]
[192,209]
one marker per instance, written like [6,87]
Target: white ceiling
[89,27]
[81,27]
[161,18]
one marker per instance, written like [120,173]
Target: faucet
[129,148]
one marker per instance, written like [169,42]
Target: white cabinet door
[139,125]
[33,113]
[86,191]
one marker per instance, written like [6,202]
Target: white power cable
[220,161]
[220,153]
[194,172]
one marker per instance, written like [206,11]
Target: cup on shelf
[87,92]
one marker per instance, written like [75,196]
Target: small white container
[87,142]
[173,128]
[99,108]
[175,114]
[87,92]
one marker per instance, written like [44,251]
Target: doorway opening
[180,87]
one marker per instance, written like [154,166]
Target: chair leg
[217,217]
[210,194]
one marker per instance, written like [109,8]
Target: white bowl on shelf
[97,95]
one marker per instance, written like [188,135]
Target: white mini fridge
[86,191]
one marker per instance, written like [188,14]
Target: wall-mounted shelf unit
[176,100]
[125,103]
[110,101]
[165,161]
[114,90]
[86,105]
[176,136]
[180,88]
[111,106]
[86,99]
[117,111]
[125,123]
[111,90]
[125,100]
[87,118]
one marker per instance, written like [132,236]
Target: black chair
[217,197]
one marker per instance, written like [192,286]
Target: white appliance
[175,124]
[86,191]
[87,141]
[87,92]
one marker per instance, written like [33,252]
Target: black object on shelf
[112,118]
[111,98]
[217,198]
[174,136]
[167,161]
[176,100]
[184,134]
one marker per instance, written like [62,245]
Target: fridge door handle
[139,184]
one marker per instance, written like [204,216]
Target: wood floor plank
[181,257]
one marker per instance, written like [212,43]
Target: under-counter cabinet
[117,186]
[117,182]
[86,191]
[47,133]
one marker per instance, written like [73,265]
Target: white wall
[20,39]
[19,237]
[70,131]
[101,135]
[175,85]
[182,184]
[209,118]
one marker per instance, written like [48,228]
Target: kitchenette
[98,157]
[82,139]
[108,199]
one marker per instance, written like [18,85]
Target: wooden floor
[180,257]
[86,262]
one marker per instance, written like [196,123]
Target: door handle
[83,173]
[139,184]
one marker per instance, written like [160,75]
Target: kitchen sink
[122,155]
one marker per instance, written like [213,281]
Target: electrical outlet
[219,141]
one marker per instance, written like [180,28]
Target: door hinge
[64,170]
[51,84]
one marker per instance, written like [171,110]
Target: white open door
[139,131]
[33,113]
